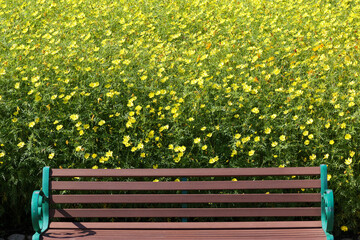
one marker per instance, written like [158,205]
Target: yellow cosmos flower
[282,138]
[74,117]
[126,140]
[38,98]
[213,160]
[347,136]
[116,61]
[276,71]
[344,228]
[58,127]
[102,122]
[126,62]
[21,144]
[94,84]
[103,159]
[140,146]
[109,153]
[245,139]
[307,142]
[331,142]
[267,131]
[2,154]
[233,153]
[348,161]
[274,144]
[51,155]
[32,124]
[164,128]
[329,177]
[251,153]
[2,71]
[204,147]
[255,110]
[237,136]
[197,140]
[151,134]
[78,148]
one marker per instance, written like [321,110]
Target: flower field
[154,84]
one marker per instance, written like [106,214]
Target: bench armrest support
[327,210]
[39,211]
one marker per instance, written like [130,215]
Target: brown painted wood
[186,212]
[185,225]
[185,198]
[186,172]
[189,185]
[188,234]
[186,230]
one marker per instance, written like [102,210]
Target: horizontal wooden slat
[186,212]
[186,172]
[185,225]
[189,185]
[187,234]
[185,198]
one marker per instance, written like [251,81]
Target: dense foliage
[142,84]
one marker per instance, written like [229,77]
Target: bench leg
[329,236]
[36,236]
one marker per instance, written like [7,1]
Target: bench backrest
[251,189]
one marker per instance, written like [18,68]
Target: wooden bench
[187,204]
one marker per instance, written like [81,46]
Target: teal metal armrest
[40,207]
[327,205]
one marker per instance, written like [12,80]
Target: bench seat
[179,204]
[185,234]
[186,231]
